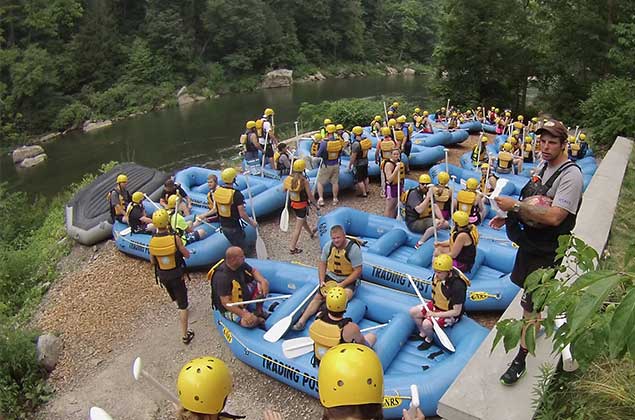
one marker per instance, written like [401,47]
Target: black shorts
[301,213]
[177,290]
[524,265]
[361,173]
[235,236]
[407,148]
[269,150]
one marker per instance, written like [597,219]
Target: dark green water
[203,134]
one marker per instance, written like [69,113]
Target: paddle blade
[276,332]
[284,220]
[97,413]
[261,249]
[297,347]
[442,336]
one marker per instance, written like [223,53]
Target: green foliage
[608,112]
[22,380]
[71,116]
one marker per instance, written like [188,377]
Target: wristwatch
[516,207]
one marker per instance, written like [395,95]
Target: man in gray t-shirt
[536,228]
[340,262]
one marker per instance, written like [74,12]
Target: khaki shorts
[329,174]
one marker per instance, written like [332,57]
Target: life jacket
[338,261]
[282,169]
[243,139]
[453,123]
[264,120]
[465,201]
[476,159]
[297,194]
[402,172]
[210,200]
[315,146]
[224,198]
[467,255]
[442,197]
[163,247]
[504,164]
[439,299]
[411,213]
[527,154]
[399,135]
[239,285]
[249,145]
[135,225]
[333,149]
[484,185]
[386,147]
[326,333]
[365,145]
[124,198]
[574,149]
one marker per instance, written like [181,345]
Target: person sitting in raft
[179,225]
[331,328]
[488,179]
[427,126]
[528,150]
[418,209]
[300,196]
[330,151]
[249,139]
[203,386]
[416,113]
[469,201]
[505,159]
[449,289]
[118,200]
[169,188]
[341,261]
[403,131]
[577,148]
[479,152]
[443,198]
[375,125]
[453,123]
[233,280]
[462,243]
[394,174]
[230,206]
[282,160]
[358,163]
[210,215]
[136,215]
[516,152]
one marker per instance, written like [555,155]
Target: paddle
[399,190]
[97,413]
[441,335]
[276,332]
[246,302]
[262,165]
[434,222]
[153,203]
[414,402]
[261,249]
[451,221]
[297,347]
[284,216]
[138,372]
[447,166]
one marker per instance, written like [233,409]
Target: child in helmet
[299,196]
[449,289]
[210,215]
[136,215]
[469,201]
[179,225]
[462,243]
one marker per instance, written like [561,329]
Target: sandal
[320,202]
[418,244]
[188,337]
[295,251]
[336,201]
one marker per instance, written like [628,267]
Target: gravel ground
[108,310]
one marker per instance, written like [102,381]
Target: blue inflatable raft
[389,252]
[432,371]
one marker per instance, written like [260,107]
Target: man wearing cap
[536,228]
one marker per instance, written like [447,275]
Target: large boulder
[47,137]
[49,348]
[278,78]
[25,152]
[32,161]
[185,99]
[391,71]
[94,125]
[408,72]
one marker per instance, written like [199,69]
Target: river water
[202,134]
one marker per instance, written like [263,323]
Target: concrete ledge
[477,393]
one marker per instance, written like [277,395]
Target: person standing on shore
[330,151]
[230,207]
[300,196]
[394,173]
[359,160]
[536,228]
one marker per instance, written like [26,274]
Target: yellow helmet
[395,104]
[443,178]
[418,118]
[330,128]
[478,108]
[357,130]
[317,136]
[528,147]
[471,184]
[172,201]
[515,133]
[484,165]
[508,113]
[443,109]
[350,374]
[528,139]
[571,139]
[484,139]
[425,179]
[392,122]
[160,218]
[336,299]
[582,136]
[461,218]
[461,119]
[250,124]
[497,110]
[417,110]
[534,119]
[520,118]
[121,178]
[268,112]
[203,385]
[454,114]
[385,131]
[228,175]
[378,118]
[507,147]
[327,121]
[468,112]
[137,197]
[425,113]
[391,113]
[512,140]
[339,127]
[401,119]
[443,262]
[299,165]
